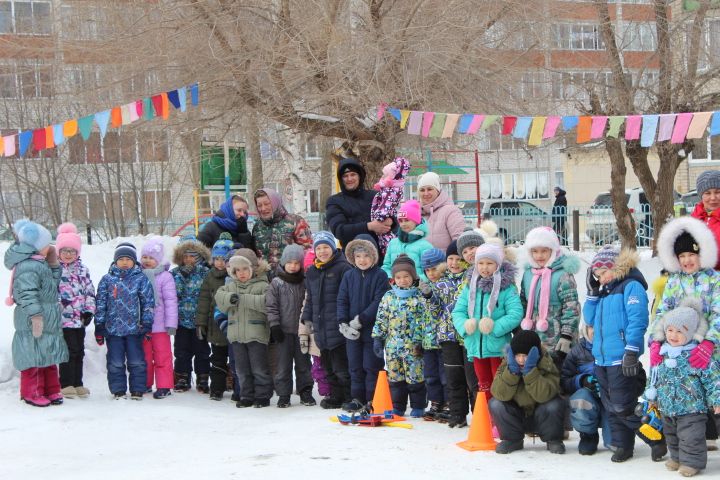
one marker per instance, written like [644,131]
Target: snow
[188,436]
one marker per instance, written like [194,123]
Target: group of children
[445,325]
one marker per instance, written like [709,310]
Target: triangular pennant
[438,125]
[182,94]
[427,123]
[148,108]
[536,131]
[380,110]
[598,126]
[395,112]
[508,124]
[632,127]
[58,134]
[615,123]
[551,126]
[698,126]
[70,128]
[450,123]
[489,121]
[682,122]
[165,106]
[583,129]
[102,119]
[157,102]
[49,141]
[667,121]
[475,124]
[39,139]
[9,145]
[465,121]
[569,122]
[522,126]
[715,124]
[649,127]
[194,94]
[85,126]
[116,117]
[139,108]
[174,98]
[24,141]
[404,117]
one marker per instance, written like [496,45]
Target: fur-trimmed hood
[698,230]
[190,246]
[362,241]
[566,261]
[239,261]
[626,268]
[507,278]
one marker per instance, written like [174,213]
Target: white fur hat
[698,230]
[543,237]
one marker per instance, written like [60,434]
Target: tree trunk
[623,217]
[253,154]
[291,154]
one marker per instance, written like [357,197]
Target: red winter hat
[411,211]
[67,237]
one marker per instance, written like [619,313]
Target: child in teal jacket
[411,239]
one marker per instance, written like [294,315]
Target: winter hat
[292,253]
[523,341]
[542,237]
[707,180]
[275,198]
[431,258]
[248,255]
[155,249]
[67,237]
[605,258]
[469,238]
[491,252]
[362,243]
[351,167]
[410,210]
[403,263]
[309,259]
[125,250]
[429,179]
[324,237]
[452,249]
[223,245]
[33,234]
[670,245]
[684,318]
[685,243]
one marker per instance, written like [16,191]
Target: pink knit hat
[67,237]
[411,211]
[154,249]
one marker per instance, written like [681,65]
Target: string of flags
[53,135]
[649,129]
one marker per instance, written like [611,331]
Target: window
[573,36]
[25,17]
[639,36]
[312,149]
[95,207]
[559,180]
[8,82]
[510,35]
[522,185]
[312,200]
[576,85]
[493,140]
[533,85]
[710,48]
[34,81]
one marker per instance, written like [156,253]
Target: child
[411,238]
[244,302]
[124,316]
[307,340]
[283,302]
[578,380]
[617,310]
[683,392]
[204,319]
[434,266]
[38,344]
[322,284]
[471,239]
[549,293]
[487,311]
[399,333]
[525,396]
[361,290]
[77,299]
[390,193]
[158,351]
[191,258]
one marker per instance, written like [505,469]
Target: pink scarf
[10,300]
[545,274]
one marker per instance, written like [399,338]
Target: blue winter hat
[324,237]
[125,250]
[33,234]
[222,246]
[432,257]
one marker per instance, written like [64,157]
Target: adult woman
[231,217]
[444,218]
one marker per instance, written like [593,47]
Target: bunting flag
[116,117]
[649,127]
[583,129]
[24,140]
[522,126]
[682,122]
[598,127]
[9,145]
[551,126]
[415,123]
[615,124]
[148,109]
[475,124]
[632,127]
[102,119]
[438,125]
[465,122]
[174,98]
[404,117]
[536,131]
[194,95]
[182,95]
[508,125]
[58,134]
[715,124]
[49,140]
[427,120]
[70,128]
[450,124]
[667,122]
[395,112]
[165,106]
[569,123]
[698,125]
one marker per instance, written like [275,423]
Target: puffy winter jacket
[284,301]
[540,385]
[188,281]
[206,306]
[402,321]
[347,213]
[506,315]
[413,249]
[619,316]
[445,293]
[578,363]
[35,291]
[77,293]
[712,220]
[271,236]
[224,221]
[166,301]
[445,221]
[322,286]
[247,321]
[683,390]
[125,303]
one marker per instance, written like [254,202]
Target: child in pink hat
[411,238]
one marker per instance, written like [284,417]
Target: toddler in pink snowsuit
[390,193]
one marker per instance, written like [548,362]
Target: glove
[99,339]
[563,344]
[701,355]
[349,332]
[531,362]
[52,257]
[171,331]
[630,364]
[379,347]
[305,344]
[426,290]
[277,334]
[234,299]
[417,350]
[201,333]
[470,326]
[86,318]
[512,363]
[486,325]
[355,323]
[37,325]
[591,383]
[655,357]
[592,283]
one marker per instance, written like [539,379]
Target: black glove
[201,333]
[87,317]
[277,334]
[592,283]
[234,299]
[630,364]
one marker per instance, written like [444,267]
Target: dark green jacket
[206,306]
[540,385]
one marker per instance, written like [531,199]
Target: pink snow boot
[37,401]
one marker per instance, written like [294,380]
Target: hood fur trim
[188,246]
[507,278]
[626,261]
[367,245]
[699,231]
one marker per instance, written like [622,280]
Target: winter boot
[658,451]
[417,412]
[712,445]
[229,382]
[672,465]
[433,413]
[136,395]
[55,398]
[261,402]
[622,455]
[458,421]
[443,416]
[182,382]
[284,401]
[353,406]
[330,403]
[82,392]
[509,446]
[244,403]
[202,383]
[37,401]
[556,446]
[686,471]
[69,392]
[217,396]
[235,397]
[161,393]
[588,443]
[306,398]
[118,395]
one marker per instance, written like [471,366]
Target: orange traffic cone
[382,400]
[480,436]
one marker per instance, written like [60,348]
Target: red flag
[39,142]
[508,125]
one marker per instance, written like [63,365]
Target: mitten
[304,343]
[201,332]
[655,357]
[379,347]
[171,331]
[37,325]
[277,334]
[486,325]
[531,361]
[348,332]
[701,355]
[52,257]
[426,290]
[512,363]
[417,350]
[86,318]
[355,323]
[592,284]
[563,344]
[541,325]
[630,363]
[470,326]
[591,383]
[99,339]
[234,299]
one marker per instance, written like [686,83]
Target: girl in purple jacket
[158,353]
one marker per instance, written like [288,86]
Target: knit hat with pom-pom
[32,234]
[67,237]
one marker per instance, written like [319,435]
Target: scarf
[404,292]
[410,237]
[228,222]
[294,278]
[10,300]
[544,275]
[320,265]
[673,352]
[476,281]
[151,273]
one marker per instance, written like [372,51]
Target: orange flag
[2,146]
[70,128]
[583,129]
[115,117]
[165,106]
[49,139]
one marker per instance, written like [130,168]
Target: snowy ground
[188,436]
